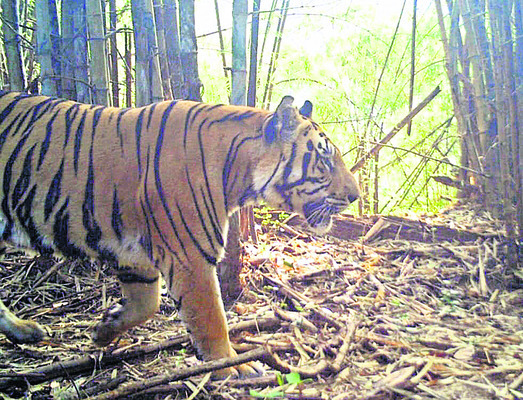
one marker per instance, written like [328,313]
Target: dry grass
[387,319]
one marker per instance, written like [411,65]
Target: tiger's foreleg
[18,330]
[201,308]
[141,291]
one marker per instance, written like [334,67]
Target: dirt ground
[385,308]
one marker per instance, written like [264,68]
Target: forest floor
[384,308]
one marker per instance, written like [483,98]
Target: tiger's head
[303,171]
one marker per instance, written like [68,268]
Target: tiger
[149,191]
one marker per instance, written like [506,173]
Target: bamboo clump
[484,52]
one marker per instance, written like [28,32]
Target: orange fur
[150,190]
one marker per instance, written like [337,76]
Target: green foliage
[335,58]
[267,218]
[287,382]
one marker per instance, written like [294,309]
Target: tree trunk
[253,70]
[189,52]
[128,74]
[113,54]
[44,49]
[148,82]
[81,73]
[172,45]
[239,58]
[67,26]
[97,46]
[162,51]
[275,53]
[230,267]
[13,53]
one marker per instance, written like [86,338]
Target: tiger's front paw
[247,370]
[110,327]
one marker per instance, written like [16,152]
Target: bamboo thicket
[12,38]
[483,46]
[99,71]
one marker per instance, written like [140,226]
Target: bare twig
[396,129]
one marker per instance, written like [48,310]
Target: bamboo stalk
[275,53]
[496,23]
[220,37]
[115,90]
[412,61]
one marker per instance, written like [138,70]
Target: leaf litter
[384,308]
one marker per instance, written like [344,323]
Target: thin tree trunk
[220,37]
[67,26]
[162,51]
[152,53]
[113,54]
[275,53]
[172,44]
[142,77]
[412,61]
[98,52]
[128,65]
[81,74]
[239,53]
[13,51]
[452,74]
[518,17]
[189,51]
[230,267]
[44,49]
[266,34]
[251,92]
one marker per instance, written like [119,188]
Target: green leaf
[293,378]
[270,395]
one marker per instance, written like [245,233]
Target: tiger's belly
[129,250]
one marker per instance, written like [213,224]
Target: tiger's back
[149,190]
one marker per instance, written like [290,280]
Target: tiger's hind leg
[18,330]
[141,291]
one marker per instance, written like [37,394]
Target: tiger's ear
[283,123]
[306,109]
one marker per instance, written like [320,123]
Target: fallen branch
[87,363]
[259,354]
[304,300]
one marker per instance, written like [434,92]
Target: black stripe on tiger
[150,214]
[189,119]
[230,159]
[45,144]
[78,141]
[23,213]
[116,216]
[130,277]
[138,136]
[206,178]
[215,227]
[151,109]
[210,259]
[198,210]
[92,227]
[8,172]
[23,181]
[70,117]
[61,233]
[54,192]
[158,179]
[121,113]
